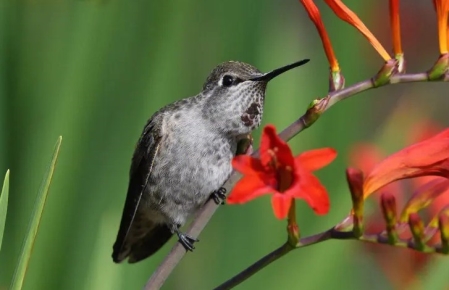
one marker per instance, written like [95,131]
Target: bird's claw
[187,241]
[219,195]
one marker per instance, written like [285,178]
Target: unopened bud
[388,204]
[417,228]
[355,182]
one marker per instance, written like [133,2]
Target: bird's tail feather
[151,243]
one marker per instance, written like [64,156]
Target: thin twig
[280,252]
[317,238]
[254,268]
[177,253]
[273,256]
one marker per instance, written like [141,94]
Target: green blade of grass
[19,274]
[3,206]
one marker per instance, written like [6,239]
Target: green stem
[292,226]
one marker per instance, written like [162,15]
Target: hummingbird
[183,157]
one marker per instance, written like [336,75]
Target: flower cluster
[401,265]
[393,65]
[287,177]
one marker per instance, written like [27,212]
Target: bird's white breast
[192,162]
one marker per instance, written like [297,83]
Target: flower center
[284,174]
[285,178]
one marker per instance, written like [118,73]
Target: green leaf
[3,205]
[27,248]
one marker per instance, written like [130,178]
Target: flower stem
[321,237]
[280,252]
[256,267]
[292,226]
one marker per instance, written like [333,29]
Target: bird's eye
[228,81]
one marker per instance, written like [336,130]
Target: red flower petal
[365,156]
[270,141]
[317,197]
[247,165]
[444,134]
[281,204]
[248,188]
[309,188]
[315,159]
[430,157]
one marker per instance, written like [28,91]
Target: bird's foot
[186,241]
[219,195]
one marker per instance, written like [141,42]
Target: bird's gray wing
[141,166]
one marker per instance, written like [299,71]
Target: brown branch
[256,267]
[280,252]
[332,233]
[320,106]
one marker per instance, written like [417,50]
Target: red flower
[278,172]
[426,158]
[401,266]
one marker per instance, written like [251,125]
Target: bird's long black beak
[274,73]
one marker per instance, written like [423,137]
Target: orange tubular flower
[344,13]
[287,177]
[427,158]
[392,260]
[336,79]
[396,33]
[315,16]
[442,9]
[395,27]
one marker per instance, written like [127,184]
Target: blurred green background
[95,71]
